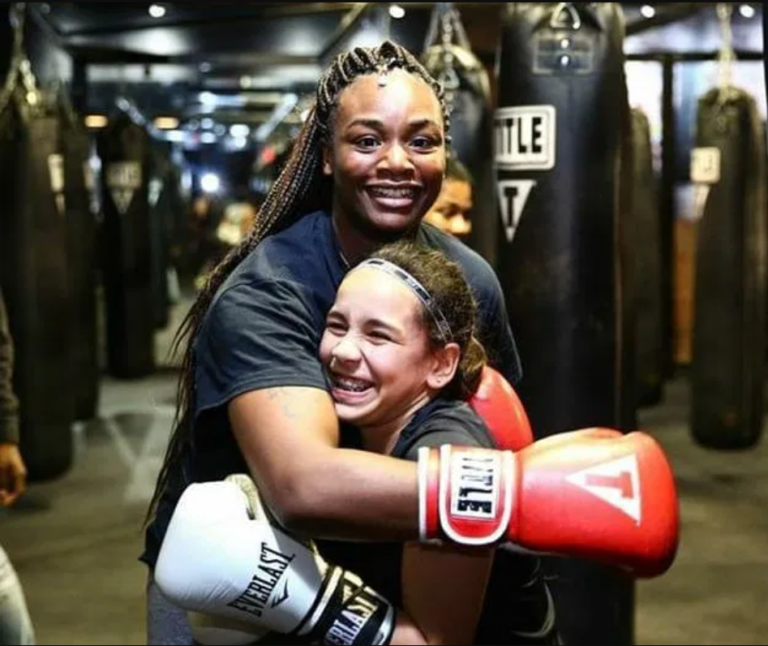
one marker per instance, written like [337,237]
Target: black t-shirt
[263,330]
[441,421]
[518,608]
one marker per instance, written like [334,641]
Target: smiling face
[387,156]
[377,352]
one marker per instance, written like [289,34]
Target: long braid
[298,183]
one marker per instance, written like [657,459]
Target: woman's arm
[289,437]
[444,591]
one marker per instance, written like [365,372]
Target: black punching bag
[448,57]
[560,139]
[727,372]
[765,48]
[159,240]
[646,239]
[81,236]
[124,148]
[34,271]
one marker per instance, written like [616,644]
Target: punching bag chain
[16,18]
[449,78]
[20,66]
[727,56]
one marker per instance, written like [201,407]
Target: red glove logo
[616,482]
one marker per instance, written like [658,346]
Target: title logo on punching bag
[524,137]
[513,195]
[123,180]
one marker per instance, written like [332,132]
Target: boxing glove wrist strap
[348,612]
[466,494]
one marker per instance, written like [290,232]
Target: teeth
[394,193]
[355,385]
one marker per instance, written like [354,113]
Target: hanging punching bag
[727,372]
[34,272]
[646,238]
[449,58]
[561,133]
[159,242]
[765,48]
[81,237]
[127,255]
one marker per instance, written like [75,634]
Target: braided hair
[300,188]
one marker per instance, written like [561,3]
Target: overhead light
[156,10]
[239,130]
[205,67]
[210,183]
[96,121]
[166,123]
[396,11]
[747,10]
[207,98]
[648,11]
[246,82]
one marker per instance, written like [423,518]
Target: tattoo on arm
[281,397]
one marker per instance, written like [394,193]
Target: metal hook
[556,21]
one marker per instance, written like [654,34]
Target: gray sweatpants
[166,623]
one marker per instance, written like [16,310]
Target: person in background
[15,623]
[450,212]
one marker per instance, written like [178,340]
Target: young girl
[401,355]
[401,358]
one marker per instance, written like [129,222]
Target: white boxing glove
[221,556]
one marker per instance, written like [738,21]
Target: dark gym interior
[137,142]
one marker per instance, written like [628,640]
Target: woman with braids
[254,397]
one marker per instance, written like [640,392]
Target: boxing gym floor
[75,541]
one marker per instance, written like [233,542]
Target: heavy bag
[34,271]
[124,149]
[765,48]
[471,137]
[646,238]
[159,239]
[81,237]
[561,132]
[727,370]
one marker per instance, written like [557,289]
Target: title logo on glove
[617,483]
[476,488]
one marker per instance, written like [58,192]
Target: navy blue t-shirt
[263,330]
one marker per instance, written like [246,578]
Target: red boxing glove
[593,494]
[496,402]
